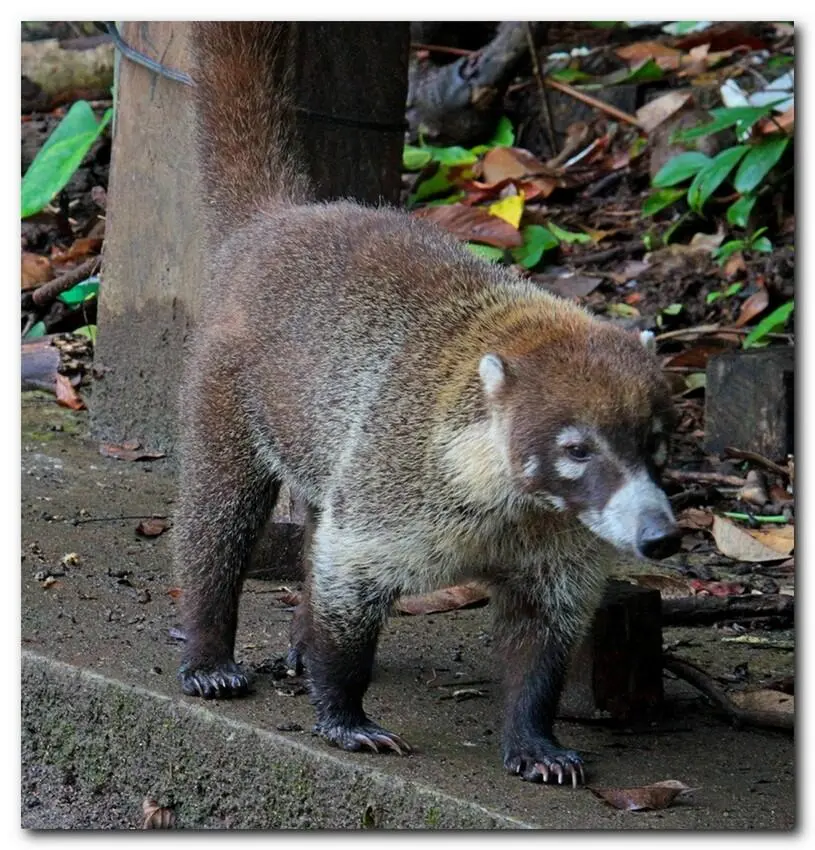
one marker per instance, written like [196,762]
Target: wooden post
[350,87]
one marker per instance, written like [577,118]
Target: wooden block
[749,402]
[616,672]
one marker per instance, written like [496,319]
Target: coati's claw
[555,765]
[294,661]
[223,682]
[369,735]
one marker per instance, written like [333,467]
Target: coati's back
[437,414]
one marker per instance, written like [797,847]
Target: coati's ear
[649,341]
[493,372]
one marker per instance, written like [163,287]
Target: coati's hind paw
[547,763]
[219,682]
[364,735]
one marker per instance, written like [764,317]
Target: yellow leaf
[510,209]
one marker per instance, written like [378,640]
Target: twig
[117,518]
[439,48]
[45,294]
[704,330]
[685,476]
[593,101]
[536,68]
[744,454]
[705,610]
[701,681]
[626,249]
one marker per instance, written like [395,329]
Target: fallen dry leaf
[517,164]
[669,587]
[81,249]
[67,396]
[660,109]
[764,700]
[130,450]
[156,816]
[152,527]
[567,285]
[697,356]
[742,545]
[473,224]
[34,270]
[785,121]
[667,58]
[753,306]
[735,266]
[469,595]
[658,795]
[694,519]
[778,537]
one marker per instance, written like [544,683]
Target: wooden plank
[749,402]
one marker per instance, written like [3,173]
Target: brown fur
[367,401]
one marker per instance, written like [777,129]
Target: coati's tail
[245,127]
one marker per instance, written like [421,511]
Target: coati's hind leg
[341,622]
[300,628]
[226,495]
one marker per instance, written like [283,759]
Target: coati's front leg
[338,631]
[536,645]
[226,495]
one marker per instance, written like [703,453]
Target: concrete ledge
[117,739]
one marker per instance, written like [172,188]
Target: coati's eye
[578,452]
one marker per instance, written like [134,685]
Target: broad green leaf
[36,330]
[570,75]
[81,292]
[708,180]
[414,159]
[451,156]
[622,310]
[447,199]
[758,162]
[568,236]
[695,381]
[504,135]
[738,213]
[89,331]
[510,209]
[769,324]
[60,156]
[680,168]
[740,117]
[437,184]
[673,309]
[537,240]
[657,201]
[726,293]
[727,250]
[486,252]
[762,244]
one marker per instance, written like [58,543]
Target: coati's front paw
[213,682]
[366,734]
[543,761]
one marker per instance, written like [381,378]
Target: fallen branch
[704,610]
[687,476]
[701,681]
[705,330]
[744,454]
[45,294]
[594,102]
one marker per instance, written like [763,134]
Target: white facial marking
[570,469]
[657,426]
[648,340]
[493,375]
[557,502]
[660,455]
[532,466]
[570,434]
[619,521]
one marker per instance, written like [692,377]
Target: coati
[442,418]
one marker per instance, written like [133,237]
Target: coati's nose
[658,537]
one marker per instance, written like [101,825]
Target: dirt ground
[110,609]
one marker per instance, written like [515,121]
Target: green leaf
[451,156]
[622,310]
[740,117]
[570,75]
[504,135]
[695,381]
[36,330]
[680,168]
[657,201]
[762,244]
[643,72]
[414,159]
[727,250]
[486,252]
[568,236]
[758,162]
[81,292]
[537,240]
[437,184]
[89,331]
[738,213]
[708,180]
[673,309]
[770,324]
[447,199]
[60,156]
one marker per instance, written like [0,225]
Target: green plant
[756,242]
[772,323]
[60,156]
[733,289]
